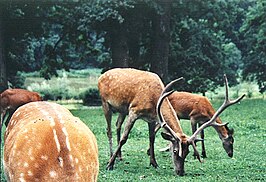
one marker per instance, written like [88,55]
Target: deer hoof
[110,167]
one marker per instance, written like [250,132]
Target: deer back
[187,105]
[45,142]
[130,88]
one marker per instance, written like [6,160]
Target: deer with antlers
[180,145]
[45,142]
[136,93]
[198,109]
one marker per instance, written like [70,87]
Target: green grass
[248,163]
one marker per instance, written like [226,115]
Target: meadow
[247,119]
[247,164]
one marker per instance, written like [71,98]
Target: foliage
[205,38]
[254,31]
[91,97]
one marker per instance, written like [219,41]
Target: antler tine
[159,113]
[162,122]
[169,85]
[225,104]
[165,94]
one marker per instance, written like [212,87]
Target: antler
[212,122]
[162,122]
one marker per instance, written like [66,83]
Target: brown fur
[11,99]
[134,92]
[45,142]
[199,110]
[194,107]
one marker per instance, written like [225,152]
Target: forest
[199,40]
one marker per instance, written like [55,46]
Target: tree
[161,39]
[254,54]
[3,78]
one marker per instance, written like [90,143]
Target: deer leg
[128,126]
[152,139]
[119,123]
[203,153]
[157,127]
[194,128]
[108,116]
[8,116]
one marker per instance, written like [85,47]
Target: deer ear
[167,136]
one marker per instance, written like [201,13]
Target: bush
[91,97]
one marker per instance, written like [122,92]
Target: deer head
[229,141]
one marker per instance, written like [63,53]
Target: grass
[248,163]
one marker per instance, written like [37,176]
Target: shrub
[91,97]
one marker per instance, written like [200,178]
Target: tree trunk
[160,42]
[119,48]
[3,76]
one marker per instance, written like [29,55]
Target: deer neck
[221,130]
[171,118]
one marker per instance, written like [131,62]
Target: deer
[179,145]
[11,99]
[45,142]
[136,93]
[198,109]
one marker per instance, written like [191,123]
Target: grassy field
[248,163]
[247,118]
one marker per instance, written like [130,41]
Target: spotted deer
[135,92]
[45,142]
[11,99]
[198,109]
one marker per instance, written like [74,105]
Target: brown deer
[199,109]
[45,142]
[180,145]
[11,99]
[136,93]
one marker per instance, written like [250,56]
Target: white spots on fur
[26,164]
[67,139]
[17,114]
[71,160]
[25,131]
[39,146]
[21,179]
[52,174]
[30,173]
[44,157]
[52,122]
[76,160]
[77,175]
[56,140]
[32,158]
[30,151]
